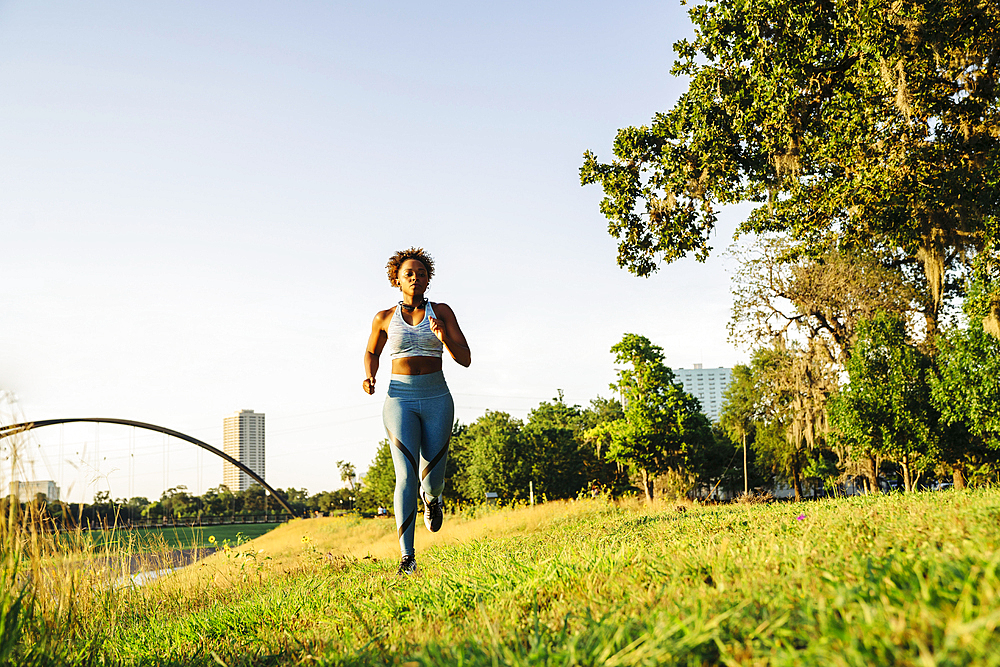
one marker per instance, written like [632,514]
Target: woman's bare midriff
[416,365]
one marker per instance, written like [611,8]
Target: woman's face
[412,277]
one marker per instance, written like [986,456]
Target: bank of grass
[905,580]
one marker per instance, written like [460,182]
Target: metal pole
[531,491]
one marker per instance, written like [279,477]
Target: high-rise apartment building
[707,385]
[25,491]
[243,439]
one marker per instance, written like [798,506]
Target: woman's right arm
[376,341]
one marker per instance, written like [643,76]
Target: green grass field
[891,580]
[154,539]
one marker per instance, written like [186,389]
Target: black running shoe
[433,512]
[407,566]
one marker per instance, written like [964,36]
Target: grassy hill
[905,580]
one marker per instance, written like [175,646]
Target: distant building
[26,491]
[707,385]
[243,439]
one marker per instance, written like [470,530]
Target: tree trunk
[797,483]
[871,474]
[746,473]
[647,484]
[907,481]
[958,476]
[930,323]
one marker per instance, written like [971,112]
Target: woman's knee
[432,488]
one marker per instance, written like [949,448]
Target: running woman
[418,411]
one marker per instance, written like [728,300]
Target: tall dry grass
[55,584]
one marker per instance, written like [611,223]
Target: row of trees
[922,413]
[654,436]
[559,451]
[179,504]
[548,453]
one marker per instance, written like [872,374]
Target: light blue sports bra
[407,340]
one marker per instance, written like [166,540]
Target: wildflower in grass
[211,539]
[801,517]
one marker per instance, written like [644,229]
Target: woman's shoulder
[384,316]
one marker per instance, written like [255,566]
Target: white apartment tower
[243,439]
[707,385]
[25,491]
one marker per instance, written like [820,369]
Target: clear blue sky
[197,201]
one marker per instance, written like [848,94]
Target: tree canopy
[875,123]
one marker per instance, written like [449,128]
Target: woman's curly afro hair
[419,254]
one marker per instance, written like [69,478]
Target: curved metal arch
[6,431]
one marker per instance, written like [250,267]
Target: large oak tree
[875,123]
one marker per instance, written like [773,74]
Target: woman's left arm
[445,327]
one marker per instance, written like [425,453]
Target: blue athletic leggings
[418,416]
